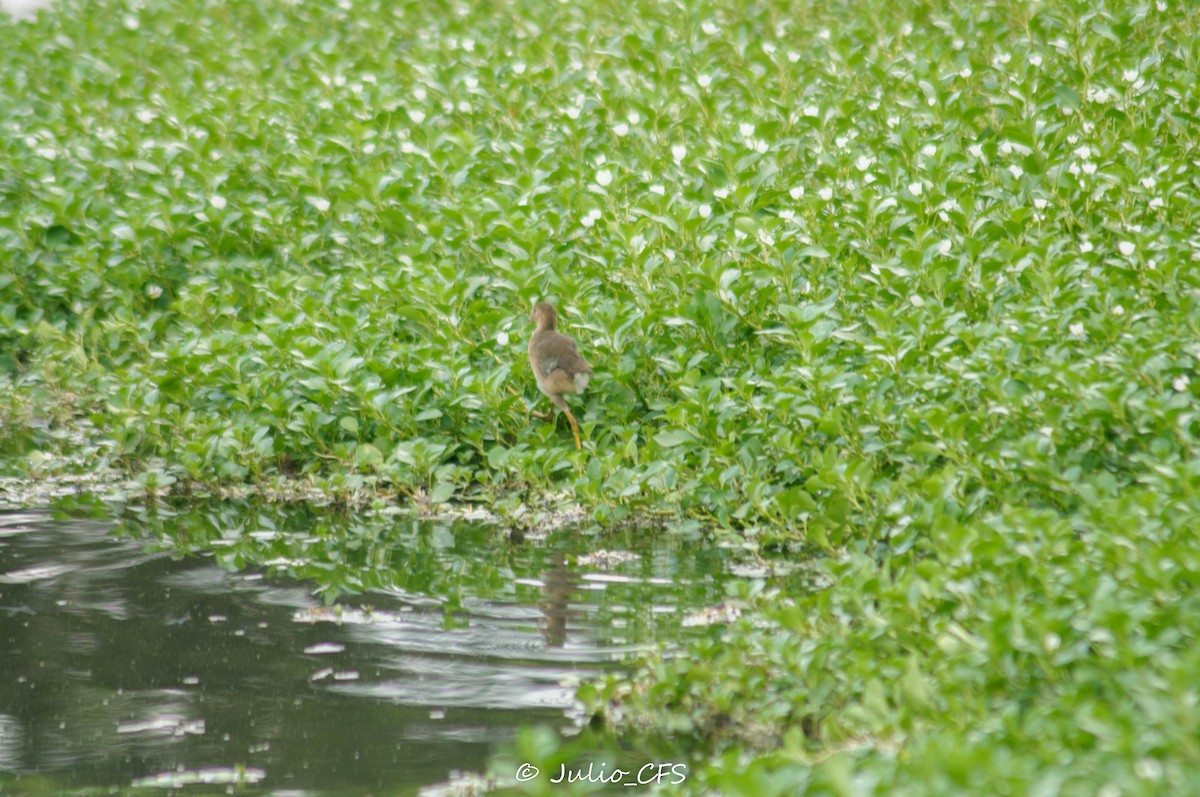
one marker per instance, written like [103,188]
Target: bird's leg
[574,428]
[541,416]
[561,403]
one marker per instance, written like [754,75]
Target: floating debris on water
[723,612]
[606,559]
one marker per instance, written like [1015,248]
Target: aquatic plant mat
[903,294]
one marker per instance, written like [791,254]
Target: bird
[556,363]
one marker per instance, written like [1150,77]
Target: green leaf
[441,493]
[674,437]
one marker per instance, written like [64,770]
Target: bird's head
[543,315]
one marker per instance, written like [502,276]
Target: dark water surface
[286,650]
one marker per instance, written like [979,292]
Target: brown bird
[556,364]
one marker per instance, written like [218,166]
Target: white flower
[766,238]
[146,116]
[471,82]
[320,203]
[916,301]
[1157,202]
[131,23]
[634,118]
[768,48]
[793,56]
[1148,183]
[812,110]
[746,129]
[591,218]
[1180,383]
[721,193]
[1089,167]
[1086,246]
[1084,152]
[1076,329]
[826,193]
[658,189]
[1016,171]
[678,152]
[796,192]
[824,33]
[519,68]
[841,142]
[621,129]
[416,116]
[704,80]
[419,94]
[217,201]
[572,112]
[709,29]
[976,151]
[464,107]
[1130,75]
[787,215]
[944,247]
[1001,59]
[1035,60]
[705,211]
[1126,248]
[915,188]
[1006,147]
[863,163]
[1118,310]
[929,150]
[153,291]
[502,338]
[604,177]
[1040,203]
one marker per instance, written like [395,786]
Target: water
[314,653]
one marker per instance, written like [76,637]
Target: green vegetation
[909,287]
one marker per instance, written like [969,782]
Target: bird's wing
[557,352]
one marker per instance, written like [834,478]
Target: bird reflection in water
[558,586]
